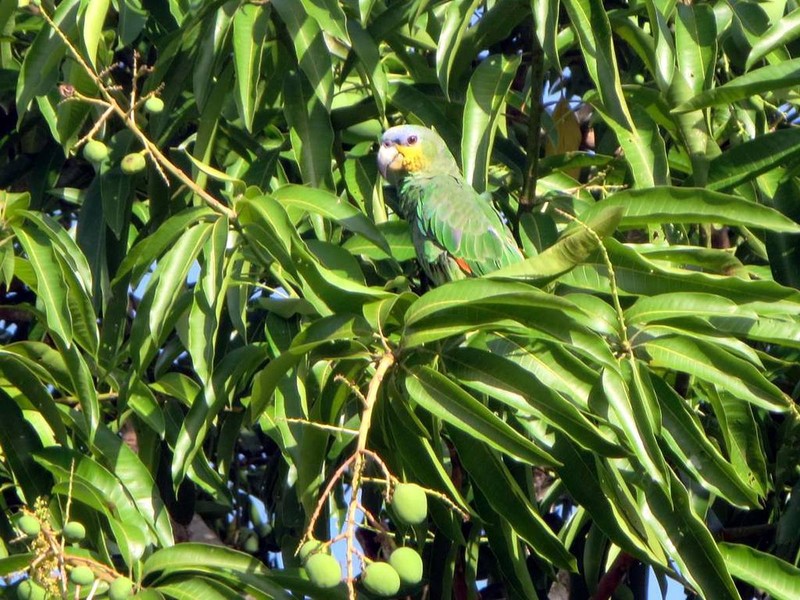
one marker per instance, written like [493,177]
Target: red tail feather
[462,264]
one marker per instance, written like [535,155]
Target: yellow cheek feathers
[413,159]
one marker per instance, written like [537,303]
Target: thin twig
[162,162]
[315,425]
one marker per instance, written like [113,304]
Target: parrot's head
[412,149]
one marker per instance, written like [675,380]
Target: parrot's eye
[387,144]
[411,140]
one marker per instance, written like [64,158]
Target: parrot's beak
[389,160]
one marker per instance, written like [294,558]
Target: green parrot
[456,232]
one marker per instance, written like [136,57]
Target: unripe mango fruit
[408,564]
[132,163]
[410,503]
[154,105]
[29,525]
[307,549]
[120,588]
[95,151]
[30,590]
[74,531]
[82,575]
[323,570]
[381,579]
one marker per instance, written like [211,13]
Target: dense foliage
[216,344]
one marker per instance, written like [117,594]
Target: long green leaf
[590,22]
[507,499]
[51,288]
[568,252]
[310,131]
[681,305]
[471,304]
[631,413]
[583,475]
[207,304]
[441,397]
[637,275]
[750,159]
[486,96]
[39,72]
[689,541]
[169,278]
[514,386]
[783,32]
[715,365]
[781,580]
[327,204]
[368,53]
[19,442]
[667,204]
[766,79]
[65,464]
[457,17]
[313,55]
[249,30]
[698,455]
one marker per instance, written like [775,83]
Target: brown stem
[610,581]
[738,534]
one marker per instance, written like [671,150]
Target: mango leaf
[520,390]
[456,20]
[637,275]
[310,131]
[688,541]
[472,304]
[486,97]
[750,159]
[686,439]
[148,250]
[582,475]
[249,32]
[782,75]
[132,19]
[51,288]
[591,25]
[715,365]
[312,53]
[508,500]
[668,204]
[441,397]
[680,305]
[777,577]
[19,442]
[632,415]
[569,251]
[368,52]
[193,557]
[65,464]
[326,330]
[782,32]
[39,71]
[321,202]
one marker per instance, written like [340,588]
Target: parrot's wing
[454,216]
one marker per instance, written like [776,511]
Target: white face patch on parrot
[389,159]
